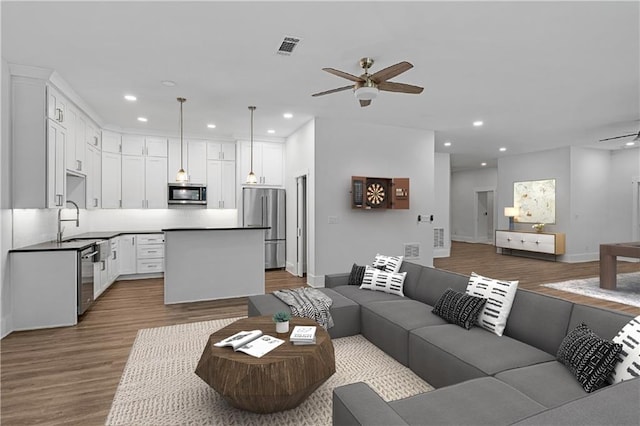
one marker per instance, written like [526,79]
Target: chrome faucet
[60,220]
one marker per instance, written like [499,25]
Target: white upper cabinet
[132,145]
[76,146]
[268,162]
[221,184]
[225,151]
[111,141]
[56,180]
[132,181]
[111,179]
[92,135]
[56,106]
[94,178]
[155,177]
[196,166]
[156,147]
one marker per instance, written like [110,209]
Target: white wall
[625,168]
[464,185]
[5,204]
[299,151]
[441,211]
[344,149]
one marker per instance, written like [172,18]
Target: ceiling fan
[367,85]
[636,139]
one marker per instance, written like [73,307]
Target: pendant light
[182,175]
[251,177]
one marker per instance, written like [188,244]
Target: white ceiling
[539,74]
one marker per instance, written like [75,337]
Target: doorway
[635,215]
[301,225]
[484,210]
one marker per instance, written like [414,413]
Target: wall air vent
[287,45]
[411,251]
[438,237]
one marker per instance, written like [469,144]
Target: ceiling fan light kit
[367,86]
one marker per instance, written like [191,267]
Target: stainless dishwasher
[86,258]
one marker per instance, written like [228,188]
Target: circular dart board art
[376,193]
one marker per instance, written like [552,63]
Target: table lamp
[510,212]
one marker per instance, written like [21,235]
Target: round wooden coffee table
[278,381]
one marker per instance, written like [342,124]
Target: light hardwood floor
[68,376]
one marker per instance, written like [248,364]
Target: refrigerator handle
[262,208]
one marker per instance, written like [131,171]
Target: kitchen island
[213,263]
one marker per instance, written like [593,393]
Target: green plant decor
[281,316]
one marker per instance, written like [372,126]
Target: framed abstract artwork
[535,201]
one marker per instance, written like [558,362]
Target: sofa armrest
[358,404]
[335,280]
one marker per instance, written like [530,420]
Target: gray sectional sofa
[480,378]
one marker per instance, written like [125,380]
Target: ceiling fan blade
[343,74]
[339,89]
[399,87]
[390,72]
[365,102]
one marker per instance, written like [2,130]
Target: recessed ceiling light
[630,143]
[478,123]
[483,164]
[447,144]
[503,149]
[271,131]
[211,126]
[130,98]
[287,115]
[143,119]
[168,83]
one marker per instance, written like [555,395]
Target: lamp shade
[366,93]
[510,211]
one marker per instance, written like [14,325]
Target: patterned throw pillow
[388,263]
[375,279]
[356,275]
[629,365]
[459,308]
[499,295]
[589,357]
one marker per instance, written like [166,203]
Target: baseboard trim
[7,327]
[316,281]
[442,252]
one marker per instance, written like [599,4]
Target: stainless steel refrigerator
[266,207]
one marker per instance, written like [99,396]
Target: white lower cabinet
[127,246]
[150,253]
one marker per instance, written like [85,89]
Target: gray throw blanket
[308,303]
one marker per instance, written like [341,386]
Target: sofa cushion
[432,282]
[628,366]
[499,295]
[387,263]
[604,322]
[550,383]
[387,324]
[589,357]
[484,401]
[356,275]
[481,349]
[413,271]
[538,320]
[615,405]
[459,308]
[363,297]
[387,282]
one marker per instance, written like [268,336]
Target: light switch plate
[333,220]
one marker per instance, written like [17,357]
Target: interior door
[301,225]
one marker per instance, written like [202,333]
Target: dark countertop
[77,242]
[217,229]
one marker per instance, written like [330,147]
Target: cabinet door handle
[95,140]
[60,115]
[115,255]
[95,202]
[79,165]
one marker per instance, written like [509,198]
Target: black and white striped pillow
[388,263]
[356,275]
[459,308]
[377,280]
[499,295]
[628,366]
[590,358]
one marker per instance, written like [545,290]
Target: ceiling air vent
[287,45]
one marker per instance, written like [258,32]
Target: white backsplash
[33,226]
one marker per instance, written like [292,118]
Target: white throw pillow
[499,295]
[388,263]
[377,280]
[629,365]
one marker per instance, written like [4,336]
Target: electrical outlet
[333,220]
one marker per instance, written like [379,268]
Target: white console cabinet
[539,242]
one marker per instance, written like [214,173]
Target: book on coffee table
[303,335]
[251,342]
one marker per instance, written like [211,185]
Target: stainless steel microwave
[187,193]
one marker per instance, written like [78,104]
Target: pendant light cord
[182,101]
[252,108]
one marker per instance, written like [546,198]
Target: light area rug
[627,289]
[159,386]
